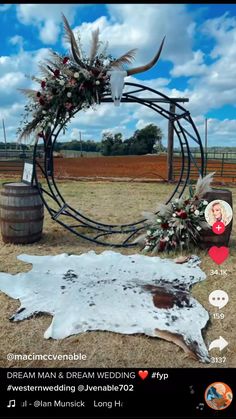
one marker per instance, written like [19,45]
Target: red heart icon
[218,254]
[143,374]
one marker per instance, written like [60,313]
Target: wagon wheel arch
[120,235]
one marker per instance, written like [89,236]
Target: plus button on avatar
[218,227]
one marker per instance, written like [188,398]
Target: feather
[30,127]
[94,46]
[52,64]
[164,210]
[56,58]
[104,50]
[73,44]
[124,59]
[203,185]
[140,239]
[149,216]
[45,70]
[30,93]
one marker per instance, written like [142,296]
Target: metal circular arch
[116,235]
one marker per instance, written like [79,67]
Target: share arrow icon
[220,343]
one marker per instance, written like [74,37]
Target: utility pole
[5,137]
[81,148]
[206,145]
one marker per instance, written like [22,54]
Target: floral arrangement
[177,225]
[68,84]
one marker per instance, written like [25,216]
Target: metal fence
[12,161]
[222,163]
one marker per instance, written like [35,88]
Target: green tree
[107,143]
[144,140]
[112,144]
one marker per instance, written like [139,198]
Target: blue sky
[198,60]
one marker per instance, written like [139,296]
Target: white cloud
[193,67]
[128,26]
[47,18]
[13,70]
[49,33]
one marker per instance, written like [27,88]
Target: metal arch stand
[117,235]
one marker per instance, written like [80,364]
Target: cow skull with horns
[117,76]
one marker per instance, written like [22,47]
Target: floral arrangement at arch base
[177,225]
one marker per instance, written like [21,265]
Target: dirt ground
[130,167]
[106,349]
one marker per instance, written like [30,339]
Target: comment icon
[218,298]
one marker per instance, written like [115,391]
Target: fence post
[170,145]
[206,161]
[222,164]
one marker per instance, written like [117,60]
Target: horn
[149,65]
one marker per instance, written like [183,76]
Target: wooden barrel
[21,213]
[208,238]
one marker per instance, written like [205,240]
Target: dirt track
[130,167]
[152,167]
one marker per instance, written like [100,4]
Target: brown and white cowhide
[113,292]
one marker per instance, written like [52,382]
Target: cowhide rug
[112,292]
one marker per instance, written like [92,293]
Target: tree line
[147,140]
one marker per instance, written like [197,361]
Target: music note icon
[11,403]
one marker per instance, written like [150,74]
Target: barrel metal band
[11,208]
[14,220]
[11,238]
[19,195]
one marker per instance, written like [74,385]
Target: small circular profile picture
[218,211]
[218,396]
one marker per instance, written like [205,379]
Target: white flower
[106,62]
[173,215]
[149,232]
[61,82]
[158,220]
[97,82]
[167,238]
[177,200]
[196,212]
[69,94]
[76,75]
[199,228]
[44,112]
[205,202]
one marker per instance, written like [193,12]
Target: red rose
[43,84]
[56,73]
[41,101]
[72,82]
[95,71]
[40,134]
[68,105]
[182,214]
[164,226]
[65,59]
[162,245]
